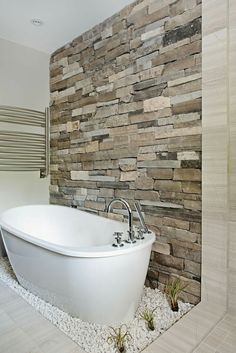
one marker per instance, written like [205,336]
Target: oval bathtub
[65,256]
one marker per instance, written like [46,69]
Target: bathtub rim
[106,250]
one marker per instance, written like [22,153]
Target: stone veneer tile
[125,122]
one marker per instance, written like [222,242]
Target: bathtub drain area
[93,338]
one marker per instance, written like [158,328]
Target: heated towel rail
[24,140]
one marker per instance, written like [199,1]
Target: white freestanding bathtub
[66,257]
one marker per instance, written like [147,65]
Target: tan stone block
[178,44]
[106,33]
[186,250]
[144,183]
[140,6]
[120,50]
[105,88]
[107,164]
[179,119]
[128,176]
[92,146]
[117,120]
[185,97]
[178,233]
[195,227]
[87,89]
[187,63]
[185,88]
[79,175]
[188,174]
[77,112]
[167,185]
[153,220]
[145,19]
[123,59]
[150,116]
[185,235]
[142,139]
[125,194]
[169,261]
[124,91]
[135,43]
[90,108]
[150,34]
[160,204]
[181,6]
[185,79]
[106,111]
[127,164]
[123,130]
[188,156]
[72,68]
[87,100]
[193,287]
[159,164]
[126,81]
[177,53]
[162,248]
[193,205]
[160,173]
[187,107]
[106,192]
[106,96]
[53,188]
[189,298]
[83,83]
[107,102]
[130,107]
[106,145]
[157,5]
[151,73]
[146,157]
[121,74]
[100,206]
[157,103]
[146,195]
[191,187]
[192,267]
[176,223]
[168,132]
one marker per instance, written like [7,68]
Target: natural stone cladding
[126,122]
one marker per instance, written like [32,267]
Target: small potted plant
[118,337]
[173,290]
[148,316]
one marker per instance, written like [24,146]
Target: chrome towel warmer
[24,150]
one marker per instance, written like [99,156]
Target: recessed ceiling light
[36,22]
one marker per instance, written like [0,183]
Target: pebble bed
[93,338]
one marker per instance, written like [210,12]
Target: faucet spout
[130,216]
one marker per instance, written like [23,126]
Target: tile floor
[23,330]
[222,339]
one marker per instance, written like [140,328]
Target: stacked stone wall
[126,122]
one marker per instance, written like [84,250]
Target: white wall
[24,82]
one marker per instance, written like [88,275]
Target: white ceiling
[63,20]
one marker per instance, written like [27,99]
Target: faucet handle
[118,238]
[140,232]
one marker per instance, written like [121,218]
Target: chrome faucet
[127,206]
[143,228]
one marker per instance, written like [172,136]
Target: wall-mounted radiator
[24,140]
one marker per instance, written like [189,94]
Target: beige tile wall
[215,151]
[232,156]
